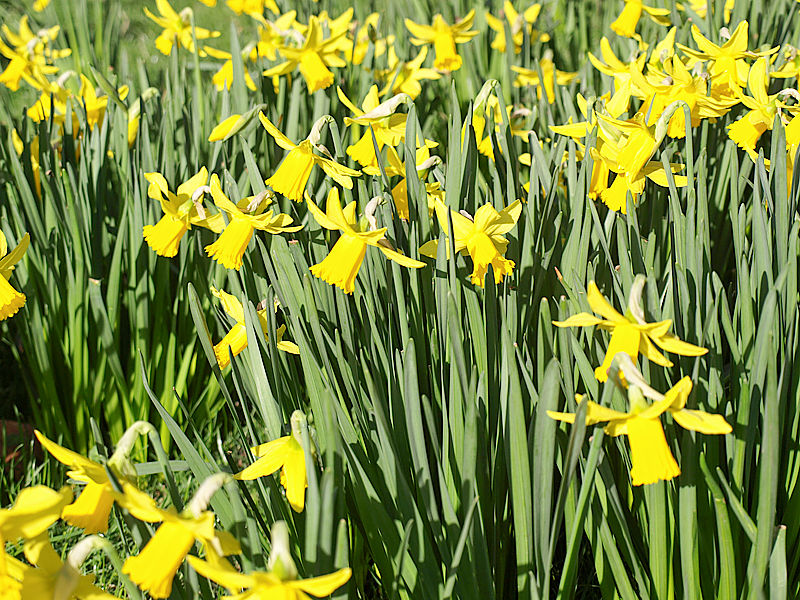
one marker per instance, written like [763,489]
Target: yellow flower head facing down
[281,581]
[154,568]
[243,219]
[292,175]
[313,57]
[236,339]
[630,334]
[181,210]
[343,262]
[519,24]
[651,457]
[444,38]
[480,236]
[10,299]
[487,112]
[177,28]
[285,453]
[389,126]
[625,23]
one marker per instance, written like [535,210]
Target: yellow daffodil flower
[223,78]
[30,55]
[181,210]
[630,333]
[433,191]
[625,23]
[281,581]
[54,578]
[388,125]
[313,57]
[663,88]
[358,44]
[252,7]
[651,458]
[700,7]
[481,237]
[177,28]
[341,265]
[244,218]
[40,5]
[285,453]
[236,338]
[52,104]
[92,508]
[154,568]
[292,175]
[404,77]
[763,108]
[728,66]
[621,72]
[552,76]
[444,38]
[518,23]
[35,509]
[10,299]
[488,105]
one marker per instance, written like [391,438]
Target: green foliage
[442,475]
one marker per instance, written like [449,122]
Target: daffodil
[181,210]
[763,108]
[313,57]
[33,148]
[52,104]
[357,46]
[444,38]
[487,105]
[236,339]
[625,23]
[10,299]
[286,453]
[30,55]
[621,72]
[404,77]
[727,64]
[281,581]
[154,568]
[518,24]
[661,89]
[292,175]
[388,126]
[551,75]
[700,7]
[177,27]
[341,265]
[35,509]
[223,78]
[630,333]
[54,578]
[480,236]
[244,218]
[252,7]
[433,192]
[92,508]
[651,458]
